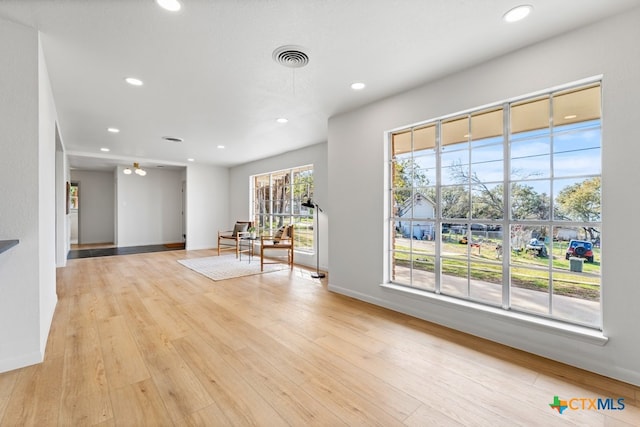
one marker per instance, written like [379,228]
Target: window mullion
[551,201]
[506,203]
[438,213]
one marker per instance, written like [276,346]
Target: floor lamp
[310,204]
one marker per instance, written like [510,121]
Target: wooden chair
[282,240]
[231,238]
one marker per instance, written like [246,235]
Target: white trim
[582,333]
[28,359]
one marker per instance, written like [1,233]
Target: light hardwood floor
[141,340]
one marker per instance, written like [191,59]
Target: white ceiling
[209,76]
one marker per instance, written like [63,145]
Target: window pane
[403,173]
[303,183]
[487,201]
[455,167]
[486,124]
[423,274]
[401,143]
[416,230]
[530,245]
[576,297]
[424,170]
[576,105]
[530,200]
[487,163]
[403,208]
[530,290]
[454,201]
[261,181]
[530,157]
[403,235]
[577,151]
[400,268]
[424,139]
[530,115]
[423,205]
[577,199]
[455,276]
[486,283]
[397,236]
[303,233]
[495,243]
[424,234]
[282,205]
[455,131]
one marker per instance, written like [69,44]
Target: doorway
[74,212]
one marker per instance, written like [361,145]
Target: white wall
[27,195]
[239,197]
[96,222]
[47,145]
[148,207]
[356,153]
[207,205]
[62,219]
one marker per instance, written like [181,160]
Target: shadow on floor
[97,252]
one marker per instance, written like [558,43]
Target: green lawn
[483,264]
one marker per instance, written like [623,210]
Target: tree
[303,184]
[454,201]
[488,203]
[581,202]
[407,174]
[526,203]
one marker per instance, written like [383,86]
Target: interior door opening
[74,212]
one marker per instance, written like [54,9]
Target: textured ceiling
[209,76]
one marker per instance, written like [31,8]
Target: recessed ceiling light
[282,120]
[221,146]
[517,13]
[170,5]
[105,149]
[570,116]
[133,81]
[113,130]
[191,160]
[358,86]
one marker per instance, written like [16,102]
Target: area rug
[228,266]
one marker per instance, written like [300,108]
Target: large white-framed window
[501,205]
[276,199]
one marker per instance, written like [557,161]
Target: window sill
[582,333]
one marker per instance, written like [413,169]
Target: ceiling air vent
[172,139]
[290,56]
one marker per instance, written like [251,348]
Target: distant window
[276,199]
[73,196]
[484,205]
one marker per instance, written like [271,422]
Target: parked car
[580,249]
